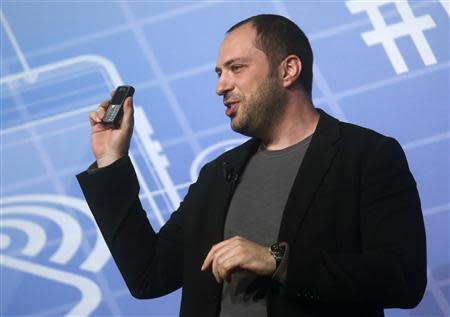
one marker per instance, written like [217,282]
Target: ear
[290,69]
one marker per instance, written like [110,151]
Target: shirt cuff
[280,273]
[94,169]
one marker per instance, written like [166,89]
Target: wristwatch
[277,250]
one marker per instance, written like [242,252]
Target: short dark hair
[278,37]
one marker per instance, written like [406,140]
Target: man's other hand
[236,254]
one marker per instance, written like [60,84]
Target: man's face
[251,90]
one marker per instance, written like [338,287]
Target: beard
[258,112]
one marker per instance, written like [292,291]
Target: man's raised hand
[108,145]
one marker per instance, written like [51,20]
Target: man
[311,217]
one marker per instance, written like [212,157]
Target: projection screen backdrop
[380,64]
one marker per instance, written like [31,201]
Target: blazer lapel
[314,167]
[232,166]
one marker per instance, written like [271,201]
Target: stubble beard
[260,111]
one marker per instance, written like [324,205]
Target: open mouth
[231,109]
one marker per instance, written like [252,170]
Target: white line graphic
[90,292]
[446,5]
[426,141]
[157,162]
[82,60]
[71,230]
[29,76]
[152,149]
[436,210]
[53,208]
[441,300]
[35,234]
[386,34]
[100,253]
[207,154]
[163,81]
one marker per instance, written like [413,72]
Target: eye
[236,68]
[218,74]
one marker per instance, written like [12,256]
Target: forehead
[240,43]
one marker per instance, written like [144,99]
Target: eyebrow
[229,62]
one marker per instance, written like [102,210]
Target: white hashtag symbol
[446,5]
[386,34]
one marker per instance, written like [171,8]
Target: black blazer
[353,222]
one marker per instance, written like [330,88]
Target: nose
[224,84]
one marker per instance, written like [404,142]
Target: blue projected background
[383,65]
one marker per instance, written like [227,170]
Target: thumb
[128,111]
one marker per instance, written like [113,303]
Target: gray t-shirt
[255,213]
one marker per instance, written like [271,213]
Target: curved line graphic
[95,59]
[195,168]
[71,230]
[36,236]
[5,241]
[100,253]
[90,293]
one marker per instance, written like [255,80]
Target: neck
[297,121]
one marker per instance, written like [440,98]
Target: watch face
[277,247]
[277,250]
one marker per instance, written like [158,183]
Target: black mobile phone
[114,113]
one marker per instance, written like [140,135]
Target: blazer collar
[234,162]
[326,134]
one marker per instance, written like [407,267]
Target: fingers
[225,262]
[209,258]
[93,118]
[224,258]
[101,110]
[217,269]
[97,116]
[230,265]
[238,253]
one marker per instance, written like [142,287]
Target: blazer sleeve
[390,271]
[151,263]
